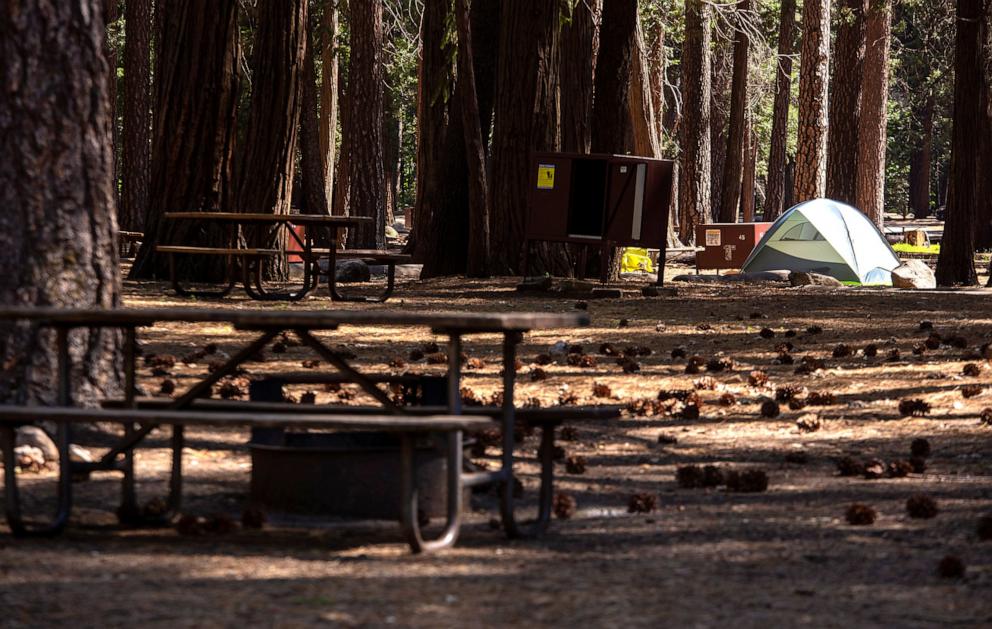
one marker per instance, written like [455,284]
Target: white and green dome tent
[827,237]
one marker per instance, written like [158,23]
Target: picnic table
[141,416]
[316,228]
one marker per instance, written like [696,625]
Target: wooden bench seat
[215,251]
[380,256]
[246,255]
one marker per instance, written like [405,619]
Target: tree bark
[579,48]
[775,187]
[748,184]
[657,67]
[198,46]
[526,120]
[811,151]
[58,228]
[475,152]
[113,8]
[694,172]
[342,182]
[137,113]
[366,78]
[921,162]
[721,79]
[265,174]
[965,202]
[329,94]
[646,138]
[617,44]
[736,134]
[390,155]
[312,149]
[874,115]
[845,101]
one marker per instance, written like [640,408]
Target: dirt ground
[704,557]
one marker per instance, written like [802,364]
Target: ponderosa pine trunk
[366,82]
[845,101]
[749,170]
[921,163]
[611,106]
[814,72]
[722,75]
[579,48]
[526,120]
[191,171]
[736,133]
[475,148]
[870,186]
[312,155]
[58,227]
[694,171]
[137,114]
[965,202]
[644,127]
[329,94]
[113,9]
[775,187]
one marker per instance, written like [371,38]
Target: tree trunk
[775,187]
[694,173]
[342,174]
[646,138]
[736,134]
[265,174]
[579,40]
[137,113]
[329,94]
[874,116]
[390,155]
[811,150]
[475,151]
[526,120]
[956,264]
[58,228]
[617,44]
[657,67]
[366,78]
[198,46]
[748,171]
[312,153]
[723,65]
[113,8]
[920,164]
[845,101]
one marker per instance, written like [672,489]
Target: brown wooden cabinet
[727,245]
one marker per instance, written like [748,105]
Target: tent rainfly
[827,237]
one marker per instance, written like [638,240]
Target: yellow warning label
[545,176]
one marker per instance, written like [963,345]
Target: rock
[913,274]
[79,454]
[542,283]
[35,437]
[799,278]
[391,232]
[29,457]
[352,271]
[570,285]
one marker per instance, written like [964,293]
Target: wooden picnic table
[314,226]
[267,326]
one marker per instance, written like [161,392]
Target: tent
[828,237]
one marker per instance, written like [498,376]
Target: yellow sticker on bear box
[545,176]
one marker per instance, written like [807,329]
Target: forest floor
[705,557]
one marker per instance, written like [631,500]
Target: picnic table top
[257,217]
[304,319]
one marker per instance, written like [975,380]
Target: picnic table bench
[316,228]
[140,417]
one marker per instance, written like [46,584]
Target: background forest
[291,109]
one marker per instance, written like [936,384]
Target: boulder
[34,437]
[799,278]
[352,271]
[913,274]
[540,283]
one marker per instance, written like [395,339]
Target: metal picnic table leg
[63,435]
[128,510]
[510,525]
[408,507]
